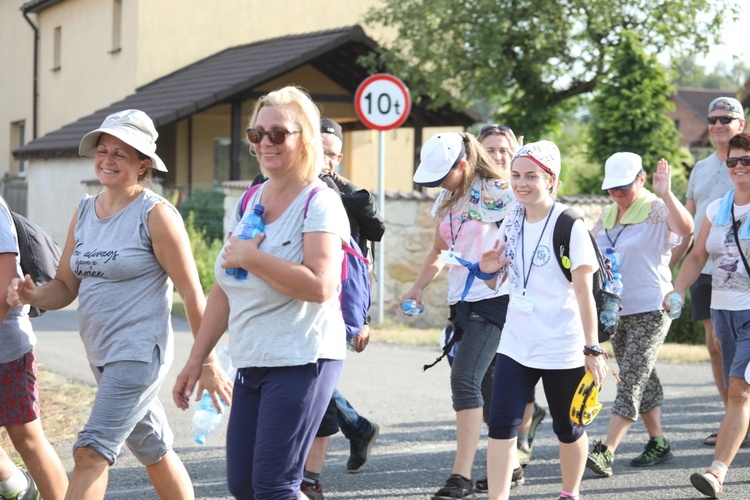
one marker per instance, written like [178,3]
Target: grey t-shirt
[708,181]
[125,296]
[15,330]
[268,328]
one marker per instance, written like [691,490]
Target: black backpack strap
[561,239]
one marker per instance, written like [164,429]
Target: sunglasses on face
[724,120]
[276,136]
[491,128]
[732,162]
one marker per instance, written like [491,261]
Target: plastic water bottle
[611,305]
[207,418]
[674,301]
[610,254]
[410,307]
[252,225]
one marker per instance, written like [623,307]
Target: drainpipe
[35,99]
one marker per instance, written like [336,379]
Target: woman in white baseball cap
[476,196]
[126,250]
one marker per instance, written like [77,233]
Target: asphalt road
[414,453]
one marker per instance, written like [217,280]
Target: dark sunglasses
[491,128]
[725,120]
[732,162]
[276,136]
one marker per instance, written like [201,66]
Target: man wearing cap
[366,224]
[709,181]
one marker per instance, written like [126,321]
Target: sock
[568,494]
[311,477]
[661,441]
[15,483]
[721,469]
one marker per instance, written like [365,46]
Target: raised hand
[494,259]
[662,180]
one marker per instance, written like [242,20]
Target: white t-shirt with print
[551,335]
[729,279]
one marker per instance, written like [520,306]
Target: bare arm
[431,267]
[7,273]
[694,262]
[582,286]
[56,294]
[679,220]
[680,250]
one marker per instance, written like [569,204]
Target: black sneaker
[516,480]
[359,451]
[653,454]
[313,491]
[456,486]
[30,493]
[536,419]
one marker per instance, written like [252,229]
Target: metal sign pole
[381,206]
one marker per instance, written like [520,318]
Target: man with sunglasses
[709,181]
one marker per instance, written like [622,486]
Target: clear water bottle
[611,304]
[410,307]
[610,254]
[674,301]
[250,226]
[207,418]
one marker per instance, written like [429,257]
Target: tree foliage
[690,74]
[529,56]
[628,111]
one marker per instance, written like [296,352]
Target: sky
[733,45]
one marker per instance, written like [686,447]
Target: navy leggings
[275,413]
[510,393]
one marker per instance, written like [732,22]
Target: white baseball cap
[131,126]
[621,169]
[438,156]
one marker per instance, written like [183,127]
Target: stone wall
[409,235]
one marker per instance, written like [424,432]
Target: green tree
[628,110]
[690,74]
[530,57]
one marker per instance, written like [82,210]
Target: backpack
[38,252]
[355,296]
[561,245]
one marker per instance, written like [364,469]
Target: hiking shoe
[653,454]
[30,493]
[359,450]
[600,459]
[312,491]
[524,453]
[516,480]
[456,486]
[536,419]
[707,483]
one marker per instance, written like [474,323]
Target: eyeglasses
[276,136]
[732,162]
[724,120]
[491,128]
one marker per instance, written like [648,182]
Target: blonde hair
[478,164]
[306,117]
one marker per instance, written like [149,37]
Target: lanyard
[531,264]
[613,243]
[450,220]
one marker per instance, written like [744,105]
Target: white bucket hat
[133,127]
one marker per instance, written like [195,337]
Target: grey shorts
[700,298]
[127,410]
[733,331]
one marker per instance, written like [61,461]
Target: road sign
[382,102]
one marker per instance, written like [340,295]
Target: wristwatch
[594,350]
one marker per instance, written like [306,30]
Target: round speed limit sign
[382,102]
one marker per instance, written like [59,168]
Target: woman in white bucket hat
[125,249]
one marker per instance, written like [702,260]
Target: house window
[18,139]
[249,166]
[57,49]
[116,26]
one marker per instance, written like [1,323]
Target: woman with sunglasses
[725,238]
[475,198]
[638,232]
[286,333]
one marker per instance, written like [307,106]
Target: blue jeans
[341,415]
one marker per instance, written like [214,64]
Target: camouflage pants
[636,344]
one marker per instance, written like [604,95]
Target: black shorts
[700,298]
